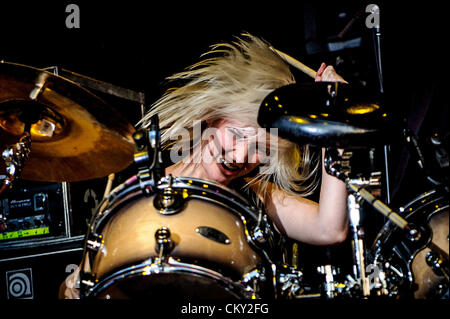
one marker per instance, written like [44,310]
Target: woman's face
[232,150]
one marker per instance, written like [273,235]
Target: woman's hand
[328,74]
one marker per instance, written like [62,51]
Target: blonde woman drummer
[220,97]
[224,92]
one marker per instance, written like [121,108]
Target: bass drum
[185,238]
[409,274]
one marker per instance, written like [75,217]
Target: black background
[136,44]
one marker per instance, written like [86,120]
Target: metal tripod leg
[359,267]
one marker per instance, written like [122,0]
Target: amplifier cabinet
[37,273]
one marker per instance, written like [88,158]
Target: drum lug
[164,244]
[439,265]
[94,242]
[251,279]
[414,234]
[87,282]
[261,232]
[169,201]
[289,281]
[258,235]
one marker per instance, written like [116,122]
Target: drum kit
[156,235]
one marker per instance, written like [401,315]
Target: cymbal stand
[148,156]
[14,157]
[339,166]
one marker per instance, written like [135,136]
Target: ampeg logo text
[19,284]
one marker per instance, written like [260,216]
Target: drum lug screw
[87,283]
[94,243]
[167,199]
[414,234]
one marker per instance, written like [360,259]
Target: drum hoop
[201,181]
[432,195]
[420,202]
[426,196]
[152,266]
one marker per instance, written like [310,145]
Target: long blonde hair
[230,84]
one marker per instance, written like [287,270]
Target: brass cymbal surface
[75,135]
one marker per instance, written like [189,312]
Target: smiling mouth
[229,166]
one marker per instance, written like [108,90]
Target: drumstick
[295,63]
[109,184]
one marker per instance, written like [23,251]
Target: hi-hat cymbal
[75,136]
[327,114]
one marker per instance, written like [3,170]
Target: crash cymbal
[327,114]
[75,135]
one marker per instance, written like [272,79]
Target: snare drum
[186,238]
[410,272]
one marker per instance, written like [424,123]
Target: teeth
[224,161]
[228,165]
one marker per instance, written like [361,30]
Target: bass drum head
[409,275]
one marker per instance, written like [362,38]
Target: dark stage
[132,46]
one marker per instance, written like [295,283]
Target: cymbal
[75,135]
[327,114]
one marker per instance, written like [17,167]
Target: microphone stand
[386,148]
